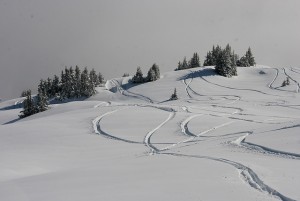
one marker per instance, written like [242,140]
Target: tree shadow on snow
[205,72]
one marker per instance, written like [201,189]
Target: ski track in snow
[147,139]
[248,175]
[102,103]
[130,94]
[98,130]
[195,136]
[189,88]
[238,89]
[241,142]
[295,70]
[276,76]
[184,125]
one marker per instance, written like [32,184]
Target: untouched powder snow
[223,139]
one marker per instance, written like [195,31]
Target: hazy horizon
[39,38]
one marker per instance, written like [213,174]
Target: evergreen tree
[234,58]
[77,78]
[249,57]
[287,81]
[243,62]
[151,75]
[101,78]
[179,67]
[138,77]
[195,61]
[48,87]
[29,108]
[55,88]
[184,64]
[63,87]
[174,95]
[156,70]
[224,65]
[247,60]
[94,78]
[213,56]
[86,86]
[72,83]
[208,59]
[216,54]
[42,103]
[24,93]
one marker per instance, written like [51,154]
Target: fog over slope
[39,38]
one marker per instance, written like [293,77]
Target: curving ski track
[147,139]
[252,90]
[249,176]
[195,136]
[130,94]
[276,76]
[189,88]
[262,149]
[184,125]
[98,130]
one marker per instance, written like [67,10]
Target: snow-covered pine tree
[216,53]
[208,59]
[77,78]
[94,78]
[234,58]
[41,101]
[85,84]
[243,62]
[29,108]
[55,88]
[155,68]
[48,86]
[63,87]
[138,77]
[195,61]
[101,78]
[185,64]
[24,93]
[249,57]
[224,65]
[179,66]
[72,83]
[151,75]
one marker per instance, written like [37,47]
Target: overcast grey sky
[38,38]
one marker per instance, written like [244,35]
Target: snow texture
[223,139]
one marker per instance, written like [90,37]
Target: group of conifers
[74,83]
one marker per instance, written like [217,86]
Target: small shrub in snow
[286,82]
[262,72]
[174,95]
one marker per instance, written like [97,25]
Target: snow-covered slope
[224,139]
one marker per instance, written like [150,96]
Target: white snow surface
[223,139]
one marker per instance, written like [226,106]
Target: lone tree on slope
[174,95]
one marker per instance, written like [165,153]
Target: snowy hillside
[223,139]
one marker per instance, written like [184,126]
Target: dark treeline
[152,75]
[72,83]
[225,60]
[192,63]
